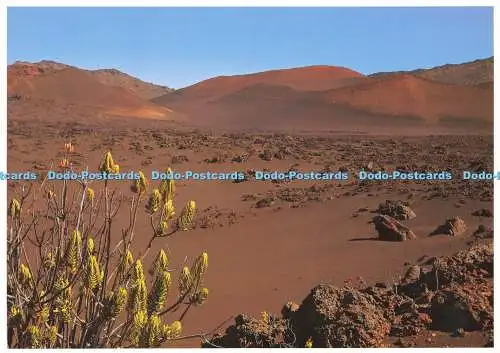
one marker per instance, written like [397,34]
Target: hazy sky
[180,46]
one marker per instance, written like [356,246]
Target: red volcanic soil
[143,89]
[269,242]
[68,86]
[486,85]
[325,97]
[314,98]
[311,232]
[311,78]
[410,95]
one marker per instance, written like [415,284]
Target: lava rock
[341,317]
[396,209]
[461,307]
[391,230]
[483,212]
[453,227]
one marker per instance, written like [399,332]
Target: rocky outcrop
[397,210]
[452,294]
[390,229]
[341,317]
[462,307]
[452,227]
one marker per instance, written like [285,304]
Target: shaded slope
[117,78]
[312,78]
[388,100]
[68,86]
[314,97]
[109,77]
[409,95]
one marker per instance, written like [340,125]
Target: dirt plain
[270,243]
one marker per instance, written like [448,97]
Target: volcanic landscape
[342,263]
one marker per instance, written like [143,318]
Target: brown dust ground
[270,243]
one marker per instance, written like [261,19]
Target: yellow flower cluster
[90,246]
[265,317]
[140,186]
[160,291]
[116,302]
[52,335]
[167,187]
[98,300]
[14,208]
[201,296]
[34,336]
[154,202]
[15,315]
[73,251]
[44,312]
[185,280]
[108,165]
[161,262]
[200,265]
[153,330]
[139,294]
[25,276]
[63,302]
[149,332]
[90,194]
[167,214]
[140,321]
[173,330]
[94,275]
[187,216]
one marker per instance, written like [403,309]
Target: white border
[189,3]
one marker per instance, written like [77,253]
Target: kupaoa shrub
[76,281]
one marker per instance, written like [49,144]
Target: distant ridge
[472,73]
[338,97]
[319,97]
[49,85]
[111,77]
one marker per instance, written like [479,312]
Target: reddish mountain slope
[109,77]
[146,90]
[470,73]
[64,85]
[330,97]
[315,97]
[312,78]
[409,95]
